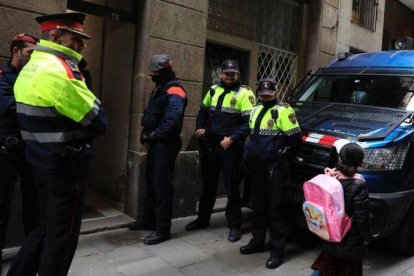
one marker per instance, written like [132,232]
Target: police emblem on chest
[270,123]
[233,101]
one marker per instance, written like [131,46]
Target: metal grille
[278,64]
[364,13]
[359,121]
[373,70]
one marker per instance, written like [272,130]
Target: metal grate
[364,13]
[372,70]
[278,64]
[359,121]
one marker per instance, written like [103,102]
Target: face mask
[157,79]
[268,104]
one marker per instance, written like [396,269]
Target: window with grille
[278,64]
[364,13]
[276,23]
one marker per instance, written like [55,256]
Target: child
[345,258]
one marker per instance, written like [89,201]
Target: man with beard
[58,117]
[162,122]
[222,126]
[12,160]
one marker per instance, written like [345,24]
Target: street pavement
[121,252]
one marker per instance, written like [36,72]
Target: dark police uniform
[223,113]
[274,132]
[162,122]
[58,117]
[12,160]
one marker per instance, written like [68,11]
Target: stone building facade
[281,38]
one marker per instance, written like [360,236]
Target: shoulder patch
[292,118]
[72,65]
[69,71]
[284,104]
[176,90]
[252,99]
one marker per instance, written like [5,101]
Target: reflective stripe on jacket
[271,130]
[54,106]
[226,112]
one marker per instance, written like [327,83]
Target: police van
[367,99]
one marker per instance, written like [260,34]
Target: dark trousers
[50,248]
[13,164]
[268,196]
[214,161]
[158,205]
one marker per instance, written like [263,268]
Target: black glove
[147,137]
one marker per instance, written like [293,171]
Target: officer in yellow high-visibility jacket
[274,133]
[222,126]
[58,117]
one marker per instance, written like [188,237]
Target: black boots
[234,234]
[140,225]
[155,238]
[197,224]
[251,247]
[274,262]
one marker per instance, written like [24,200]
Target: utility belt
[76,159]
[77,152]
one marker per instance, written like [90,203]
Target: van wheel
[402,240]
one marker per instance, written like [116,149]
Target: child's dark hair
[351,156]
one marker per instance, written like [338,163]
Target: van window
[383,91]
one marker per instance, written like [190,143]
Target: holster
[76,160]
[9,144]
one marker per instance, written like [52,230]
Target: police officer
[58,116]
[275,133]
[162,122]
[12,160]
[222,126]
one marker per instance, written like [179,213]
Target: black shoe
[155,238]
[196,225]
[234,234]
[274,262]
[251,247]
[140,225]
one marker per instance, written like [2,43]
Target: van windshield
[382,91]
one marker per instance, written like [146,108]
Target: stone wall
[330,31]
[17,16]
[178,28]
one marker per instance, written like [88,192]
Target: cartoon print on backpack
[316,219]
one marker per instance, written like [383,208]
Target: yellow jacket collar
[58,50]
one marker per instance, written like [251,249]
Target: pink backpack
[324,208]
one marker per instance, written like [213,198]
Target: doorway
[110,58]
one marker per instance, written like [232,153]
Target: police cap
[25,38]
[230,66]
[159,61]
[267,86]
[72,22]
